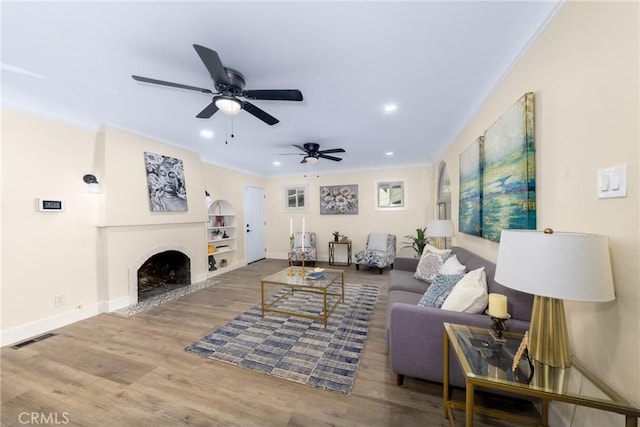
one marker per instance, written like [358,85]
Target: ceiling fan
[229,84]
[312,153]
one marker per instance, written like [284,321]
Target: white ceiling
[438,61]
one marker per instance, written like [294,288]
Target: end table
[332,252]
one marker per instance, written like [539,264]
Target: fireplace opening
[163,272]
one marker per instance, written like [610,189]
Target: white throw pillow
[429,265]
[377,242]
[470,294]
[452,266]
[436,250]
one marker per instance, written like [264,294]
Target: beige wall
[42,158]
[584,71]
[419,208]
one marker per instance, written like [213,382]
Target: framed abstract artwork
[508,173]
[470,206]
[165,181]
[339,199]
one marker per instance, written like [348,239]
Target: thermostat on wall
[50,205]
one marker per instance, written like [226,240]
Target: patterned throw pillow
[439,290]
[429,265]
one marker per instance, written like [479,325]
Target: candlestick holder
[290,273]
[303,271]
[497,327]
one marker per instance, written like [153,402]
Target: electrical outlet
[59,301]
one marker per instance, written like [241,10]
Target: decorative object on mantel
[324,358]
[553,267]
[509,172]
[440,229]
[417,242]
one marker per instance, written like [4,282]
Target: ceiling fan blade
[274,95]
[212,61]
[208,111]
[300,147]
[171,84]
[335,159]
[332,150]
[304,160]
[259,113]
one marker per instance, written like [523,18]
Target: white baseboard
[21,333]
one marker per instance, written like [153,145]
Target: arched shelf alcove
[221,236]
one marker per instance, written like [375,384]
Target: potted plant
[417,242]
[336,236]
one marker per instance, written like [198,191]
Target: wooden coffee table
[292,279]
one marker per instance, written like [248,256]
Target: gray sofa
[415,334]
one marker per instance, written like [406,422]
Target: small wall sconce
[92,181]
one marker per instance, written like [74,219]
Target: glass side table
[487,363]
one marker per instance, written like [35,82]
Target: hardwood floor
[133,371]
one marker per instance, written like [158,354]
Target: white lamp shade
[572,266]
[440,228]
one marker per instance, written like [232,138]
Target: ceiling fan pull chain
[226,119]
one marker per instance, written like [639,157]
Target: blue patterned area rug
[296,348]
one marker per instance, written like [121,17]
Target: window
[296,198]
[390,194]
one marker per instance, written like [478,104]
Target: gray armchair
[379,252]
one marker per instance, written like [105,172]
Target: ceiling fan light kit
[227,104]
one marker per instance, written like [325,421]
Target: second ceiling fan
[229,84]
[312,152]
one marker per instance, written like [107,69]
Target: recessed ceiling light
[390,107]
[206,133]
[276,163]
[389,153]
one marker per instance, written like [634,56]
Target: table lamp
[440,229]
[554,267]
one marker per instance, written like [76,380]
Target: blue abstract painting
[508,172]
[470,206]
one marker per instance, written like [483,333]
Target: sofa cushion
[429,265]
[452,266]
[400,280]
[470,294]
[439,290]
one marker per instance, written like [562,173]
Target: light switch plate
[612,182]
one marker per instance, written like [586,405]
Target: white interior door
[254,223]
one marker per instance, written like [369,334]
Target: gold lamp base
[548,337]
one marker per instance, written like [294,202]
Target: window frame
[390,182]
[302,188]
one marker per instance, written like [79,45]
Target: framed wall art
[508,173]
[339,199]
[166,184]
[470,206]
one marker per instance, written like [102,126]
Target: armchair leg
[380,270]
[357,267]
[399,379]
